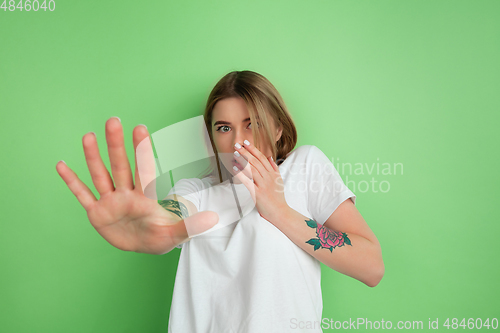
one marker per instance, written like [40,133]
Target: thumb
[197,223]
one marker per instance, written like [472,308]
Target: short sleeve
[326,190]
[189,189]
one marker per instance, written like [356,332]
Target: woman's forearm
[350,254]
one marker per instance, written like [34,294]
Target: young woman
[262,272]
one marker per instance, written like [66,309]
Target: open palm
[123,215]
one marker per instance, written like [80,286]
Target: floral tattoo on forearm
[176,207]
[327,239]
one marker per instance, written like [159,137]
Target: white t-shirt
[248,276]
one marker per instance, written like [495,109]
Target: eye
[218,128]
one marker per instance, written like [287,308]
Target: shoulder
[302,155]
[306,149]
[302,151]
[306,153]
[302,160]
[191,183]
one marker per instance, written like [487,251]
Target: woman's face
[230,125]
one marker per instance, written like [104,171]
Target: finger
[100,175]
[248,184]
[247,171]
[200,222]
[120,166]
[191,226]
[274,165]
[257,154]
[253,161]
[76,186]
[255,174]
[145,170]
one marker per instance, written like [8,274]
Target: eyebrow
[223,122]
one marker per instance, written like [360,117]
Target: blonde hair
[262,100]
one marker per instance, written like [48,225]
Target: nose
[240,136]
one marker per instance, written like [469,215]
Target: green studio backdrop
[405,93]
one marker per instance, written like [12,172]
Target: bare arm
[344,242]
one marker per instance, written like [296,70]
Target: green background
[410,82]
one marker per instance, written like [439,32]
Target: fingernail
[143,125]
[237,145]
[246,142]
[272,159]
[118,119]
[93,133]
[62,161]
[236,154]
[235,168]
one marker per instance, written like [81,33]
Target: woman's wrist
[280,215]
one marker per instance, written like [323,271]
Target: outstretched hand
[123,215]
